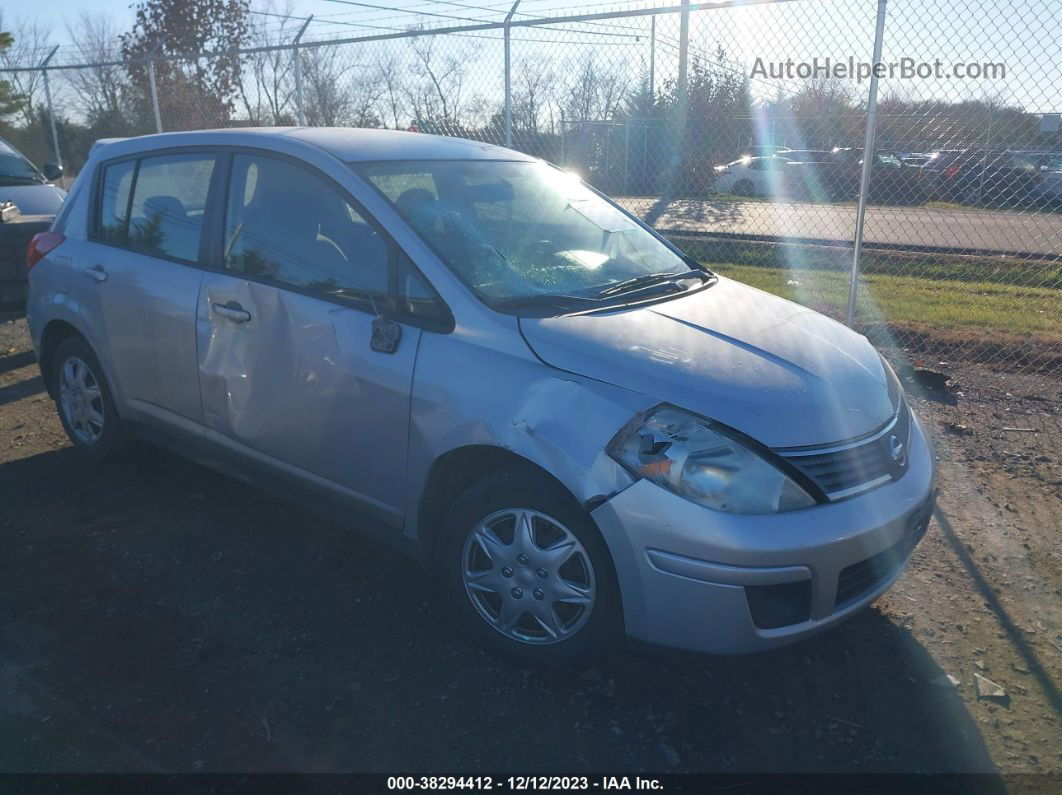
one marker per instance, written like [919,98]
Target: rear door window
[169,200]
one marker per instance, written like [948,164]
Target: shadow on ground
[158,616]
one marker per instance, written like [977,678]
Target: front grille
[844,471]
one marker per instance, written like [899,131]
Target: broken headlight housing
[693,457]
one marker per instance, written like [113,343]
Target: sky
[1025,35]
[120,9]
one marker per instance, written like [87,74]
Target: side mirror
[52,171]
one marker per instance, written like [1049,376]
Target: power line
[467,35]
[359,24]
[392,8]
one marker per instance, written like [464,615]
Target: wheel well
[54,333]
[454,472]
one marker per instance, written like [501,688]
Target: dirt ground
[156,616]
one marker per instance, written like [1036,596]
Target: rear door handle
[232,311]
[96,273]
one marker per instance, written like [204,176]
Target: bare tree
[533,97]
[365,94]
[595,92]
[823,95]
[266,84]
[437,95]
[822,113]
[337,93]
[390,76]
[31,45]
[101,90]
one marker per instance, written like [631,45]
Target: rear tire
[85,402]
[544,597]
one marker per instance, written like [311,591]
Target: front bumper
[704,580]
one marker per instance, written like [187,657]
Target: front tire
[744,187]
[527,574]
[84,401]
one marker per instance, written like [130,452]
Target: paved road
[1038,233]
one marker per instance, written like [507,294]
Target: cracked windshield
[521,230]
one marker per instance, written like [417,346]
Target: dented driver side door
[290,371]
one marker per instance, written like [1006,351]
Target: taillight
[951,171]
[42,243]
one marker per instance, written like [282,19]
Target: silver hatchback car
[583,433]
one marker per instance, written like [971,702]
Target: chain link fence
[737,129]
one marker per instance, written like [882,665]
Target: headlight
[690,456]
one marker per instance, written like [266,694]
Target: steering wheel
[541,249]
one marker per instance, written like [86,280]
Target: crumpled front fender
[559,421]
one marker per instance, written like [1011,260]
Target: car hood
[34,199]
[774,370]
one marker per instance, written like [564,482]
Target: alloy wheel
[81,400]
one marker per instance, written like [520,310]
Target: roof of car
[355,144]
[351,144]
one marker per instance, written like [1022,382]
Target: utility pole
[51,110]
[300,113]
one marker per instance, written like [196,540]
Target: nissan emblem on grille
[897,454]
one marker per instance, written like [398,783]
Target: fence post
[51,109]
[868,160]
[154,96]
[626,154]
[509,77]
[683,91]
[152,87]
[562,138]
[652,59]
[300,113]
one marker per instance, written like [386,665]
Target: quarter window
[114,201]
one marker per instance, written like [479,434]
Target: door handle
[96,273]
[232,311]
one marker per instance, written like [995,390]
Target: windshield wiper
[599,300]
[650,280]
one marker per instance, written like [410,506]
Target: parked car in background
[980,176]
[759,151]
[805,155]
[1049,164]
[581,432]
[839,176]
[914,158]
[752,176]
[25,185]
